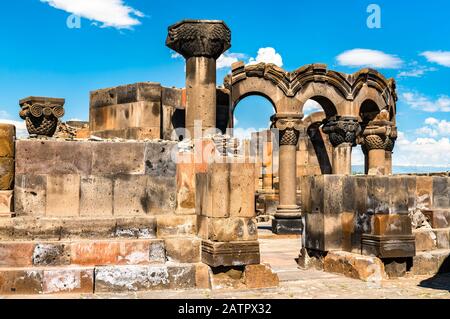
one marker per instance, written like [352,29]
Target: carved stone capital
[342,131]
[379,137]
[41,114]
[289,128]
[199,38]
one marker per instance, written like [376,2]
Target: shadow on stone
[441,280]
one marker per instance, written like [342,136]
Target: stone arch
[330,101]
[255,86]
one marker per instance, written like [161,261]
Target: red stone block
[16,254]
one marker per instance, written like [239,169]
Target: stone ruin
[129,202]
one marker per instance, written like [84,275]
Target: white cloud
[439,57]
[422,152]
[311,106]
[415,70]
[21,130]
[112,13]
[435,128]
[176,55]
[267,55]
[369,58]
[426,152]
[423,103]
[228,58]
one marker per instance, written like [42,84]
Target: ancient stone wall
[340,210]
[60,178]
[145,110]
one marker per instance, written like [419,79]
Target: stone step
[31,228]
[81,252]
[431,262]
[121,278]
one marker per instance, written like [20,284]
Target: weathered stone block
[138,252]
[6,173]
[6,201]
[186,184]
[139,227]
[16,254]
[442,238]
[94,253]
[157,252]
[440,192]
[388,246]
[398,196]
[424,191]
[232,229]
[63,195]
[391,224]
[44,228]
[203,275]
[438,218]
[118,158]
[96,196]
[143,194]
[260,276]
[430,262]
[130,195]
[425,239]
[378,194]
[53,157]
[176,225]
[160,158]
[355,266]
[183,249]
[24,282]
[7,137]
[287,226]
[130,278]
[73,280]
[239,253]
[30,194]
[182,276]
[242,198]
[51,254]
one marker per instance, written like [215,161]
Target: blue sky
[122,41]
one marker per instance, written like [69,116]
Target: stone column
[342,132]
[377,137]
[7,154]
[288,215]
[267,161]
[200,42]
[389,147]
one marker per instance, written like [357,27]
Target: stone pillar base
[237,253]
[389,246]
[283,226]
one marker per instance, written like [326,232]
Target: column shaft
[200,92]
[376,162]
[342,159]
[288,177]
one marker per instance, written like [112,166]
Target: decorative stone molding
[348,85]
[41,114]
[343,130]
[289,128]
[199,38]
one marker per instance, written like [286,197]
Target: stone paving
[302,284]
